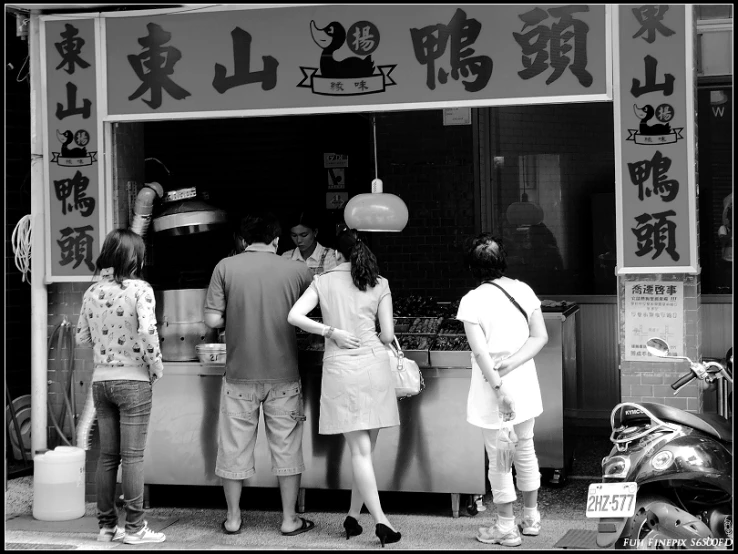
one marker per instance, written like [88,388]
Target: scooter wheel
[636,527]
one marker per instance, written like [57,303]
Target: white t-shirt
[321,260]
[506,331]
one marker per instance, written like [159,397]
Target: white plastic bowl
[211,353]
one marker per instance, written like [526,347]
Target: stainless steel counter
[433,450]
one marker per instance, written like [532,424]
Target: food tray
[402,324]
[450,358]
[420,357]
[425,325]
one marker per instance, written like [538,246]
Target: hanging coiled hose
[64,335]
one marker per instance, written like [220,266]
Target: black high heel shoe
[386,535]
[352,527]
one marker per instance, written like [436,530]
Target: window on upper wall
[553,195]
[714,11]
[715,178]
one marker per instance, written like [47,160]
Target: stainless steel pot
[180,317]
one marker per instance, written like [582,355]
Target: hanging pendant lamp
[376,211]
[524,213]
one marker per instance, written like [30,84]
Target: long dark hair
[124,251]
[364,266]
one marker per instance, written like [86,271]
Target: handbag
[408,379]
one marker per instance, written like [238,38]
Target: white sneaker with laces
[530,525]
[495,535]
[145,535]
[114,534]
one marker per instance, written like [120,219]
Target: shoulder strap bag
[408,379]
[522,311]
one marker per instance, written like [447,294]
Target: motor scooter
[667,482]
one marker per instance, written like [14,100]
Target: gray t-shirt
[255,291]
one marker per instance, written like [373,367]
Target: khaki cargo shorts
[238,424]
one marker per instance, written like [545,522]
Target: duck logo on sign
[655,133]
[352,75]
[71,156]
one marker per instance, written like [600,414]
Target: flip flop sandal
[236,532]
[306,526]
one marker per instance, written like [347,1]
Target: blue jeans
[123,412]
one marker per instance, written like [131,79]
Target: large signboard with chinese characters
[653,309]
[74,199]
[315,59]
[654,120]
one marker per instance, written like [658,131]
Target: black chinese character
[70,48]
[557,38]
[84,110]
[657,236]
[651,86]
[76,248]
[650,18]
[430,43]
[662,185]
[160,63]
[76,188]
[242,74]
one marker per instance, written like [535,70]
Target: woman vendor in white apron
[304,232]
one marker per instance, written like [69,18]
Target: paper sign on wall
[653,309]
[335,200]
[335,160]
[336,178]
[457,116]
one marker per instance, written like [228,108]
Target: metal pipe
[39,294]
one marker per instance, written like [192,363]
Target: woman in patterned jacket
[118,321]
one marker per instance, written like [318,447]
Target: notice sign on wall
[73,194]
[654,119]
[653,309]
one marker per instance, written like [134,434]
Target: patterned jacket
[119,323]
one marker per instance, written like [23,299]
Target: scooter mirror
[657,347]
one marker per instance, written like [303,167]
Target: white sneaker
[494,535]
[145,535]
[530,525]
[114,534]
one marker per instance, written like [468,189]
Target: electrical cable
[21,241]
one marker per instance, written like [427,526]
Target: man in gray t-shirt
[251,294]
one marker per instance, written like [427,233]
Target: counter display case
[433,450]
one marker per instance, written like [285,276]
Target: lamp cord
[374,129]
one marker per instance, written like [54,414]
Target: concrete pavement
[193,522]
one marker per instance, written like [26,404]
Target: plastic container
[59,484]
[211,353]
[506,441]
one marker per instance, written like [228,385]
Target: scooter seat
[712,424]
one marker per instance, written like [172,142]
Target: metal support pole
[39,296]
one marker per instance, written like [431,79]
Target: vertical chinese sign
[654,117]
[74,202]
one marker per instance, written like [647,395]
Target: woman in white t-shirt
[504,333]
